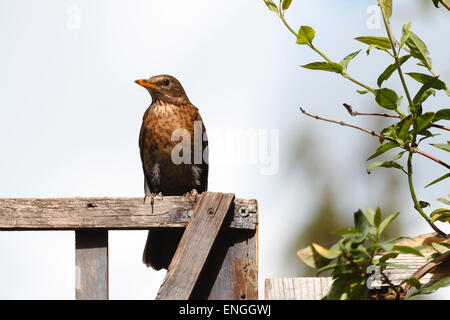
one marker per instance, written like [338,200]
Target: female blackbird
[174,155]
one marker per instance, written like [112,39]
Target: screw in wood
[243,211]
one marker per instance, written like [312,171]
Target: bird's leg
[152,197]
[193,195]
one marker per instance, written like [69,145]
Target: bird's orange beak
[145,83]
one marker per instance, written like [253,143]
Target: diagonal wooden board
[195,245]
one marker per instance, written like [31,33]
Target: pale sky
[70,115]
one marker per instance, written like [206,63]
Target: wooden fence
[217,257]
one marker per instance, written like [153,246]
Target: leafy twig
[356,113]
[373,133]
[343,73]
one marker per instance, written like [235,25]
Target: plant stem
[288,26]
[343,73]
[346,75]
[394,51]
[414,197]
[414,118]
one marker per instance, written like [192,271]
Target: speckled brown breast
[156,145]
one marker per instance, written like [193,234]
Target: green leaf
[382,149]
[344,63]
[272,6]
[348,287]
[362,91]
[404,129]
[286,4]
[443,114]
[407,250]
[441,214]
[386,98]
[398,156]
[387,164]
[394,265]
[424,120]
[436,3]
[444,201]
[425,78]
[305,35]
[440,247]
[445,147]
[445,176]
[361,225]
[326,253]
[418,49]
[406,31]
[419,98]
[370,214]
[391,69]
[379,42]
[424,204]
[386,222]
[387,7]
[377,219]
[412,281]
[325,66]
[387,256]
[329,267]
[430,287]
[345,231]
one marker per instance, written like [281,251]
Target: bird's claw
[152,197]
[193,195]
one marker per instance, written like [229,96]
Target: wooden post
[195,245]
[91,264]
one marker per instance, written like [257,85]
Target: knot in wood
[210,212]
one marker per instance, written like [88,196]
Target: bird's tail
[161,246]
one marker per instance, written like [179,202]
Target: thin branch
[439,126]
[342,123]
[445,4]
[442,163]
[356,113]
[373,133]
[394,288]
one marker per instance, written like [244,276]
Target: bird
[169,113]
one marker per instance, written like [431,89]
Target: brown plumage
[170,110]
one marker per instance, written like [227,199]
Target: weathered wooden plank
[195,245]
[231,271]
[307,288]
[315,288]
[413,263]
[91,264]
[109,213]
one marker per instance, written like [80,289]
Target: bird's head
[165,88]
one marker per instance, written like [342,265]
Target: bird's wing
[205,164]
[142,148]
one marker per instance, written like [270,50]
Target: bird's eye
[166,82]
